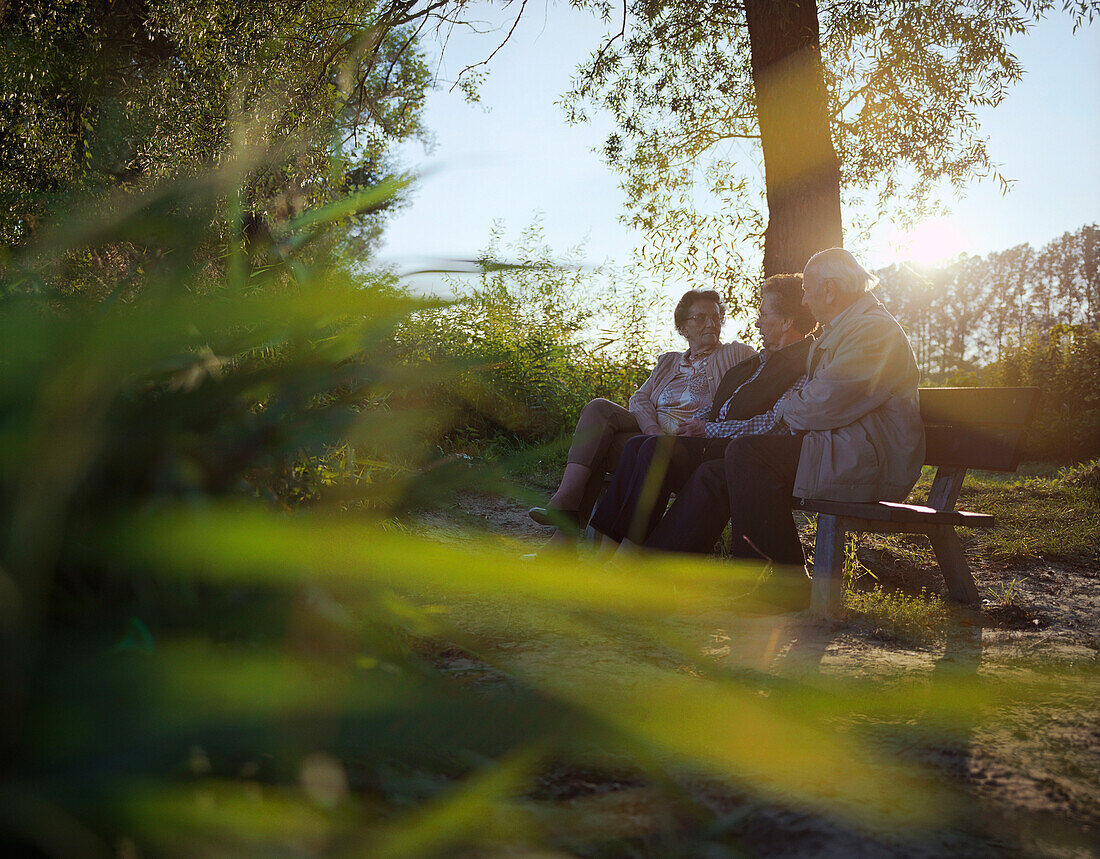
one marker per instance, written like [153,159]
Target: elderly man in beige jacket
[852,433]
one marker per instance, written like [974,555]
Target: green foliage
[854,569]
[98,96]
[903,82]
[914,619]
[1065,365]
[527,346]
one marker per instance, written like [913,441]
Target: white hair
[839,265]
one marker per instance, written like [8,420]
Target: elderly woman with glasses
[680,385]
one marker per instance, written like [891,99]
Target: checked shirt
[762,424]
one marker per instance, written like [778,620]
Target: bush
[517,356]
[1065,365]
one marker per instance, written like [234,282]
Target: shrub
[1065,365]
[517,355]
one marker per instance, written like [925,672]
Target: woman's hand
[692,428]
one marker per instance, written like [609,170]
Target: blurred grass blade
[479,810]
[300,228]
[235,544]
[773,748]
[223,817]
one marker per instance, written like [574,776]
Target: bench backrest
[976,427]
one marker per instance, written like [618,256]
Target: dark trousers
[650,469]
[751,485]
[761,471]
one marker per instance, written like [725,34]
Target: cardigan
[643,404]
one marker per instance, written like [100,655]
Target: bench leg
[952,560]
[828,582]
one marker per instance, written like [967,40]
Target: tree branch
[485,62]
[607,45]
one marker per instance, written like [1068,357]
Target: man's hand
[692,428]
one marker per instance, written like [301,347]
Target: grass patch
[1049,514]
[1003,593]
[907,618]
[1037,517]
[537,466]
[1085,476]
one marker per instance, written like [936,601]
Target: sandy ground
[1027,778]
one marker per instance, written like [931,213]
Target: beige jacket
[642,404]
[864,436]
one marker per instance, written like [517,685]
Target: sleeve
[863,372]
[762,424]
[641,405]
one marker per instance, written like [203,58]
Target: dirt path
[1030,775]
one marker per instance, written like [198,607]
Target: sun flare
[930,241]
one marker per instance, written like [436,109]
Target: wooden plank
[872,510]
[964,428]
[945,490]
[888,511]
[990,446]
[952,561]
[827,588]
[1013,406]
[872,527]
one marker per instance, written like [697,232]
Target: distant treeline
[963,315]
[1016,317]
[522,358]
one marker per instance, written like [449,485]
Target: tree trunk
[801,169]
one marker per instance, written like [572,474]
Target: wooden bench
[965,428]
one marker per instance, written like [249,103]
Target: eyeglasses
[700,318]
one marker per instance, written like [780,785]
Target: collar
[765,354]
[857,307]
[690,358]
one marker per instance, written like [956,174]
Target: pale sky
[513,157]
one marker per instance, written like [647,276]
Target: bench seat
[964,428]
[903,514]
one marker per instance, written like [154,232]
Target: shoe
[566,520]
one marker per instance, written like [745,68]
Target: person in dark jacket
[652,467]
